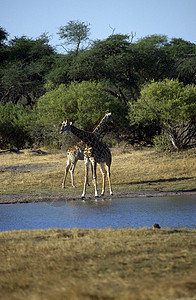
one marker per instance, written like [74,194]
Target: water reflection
[96,201]
[172,212]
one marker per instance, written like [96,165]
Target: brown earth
[67,196]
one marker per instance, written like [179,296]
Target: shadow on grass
[160,180]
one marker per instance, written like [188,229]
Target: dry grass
[134,170]
[98,264]
[148,169]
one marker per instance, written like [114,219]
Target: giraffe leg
[66,171]
[94,168]
[92,173]
[86,163]
[109,179]
[103,171]
[73,165]
[88,176]
[72,177]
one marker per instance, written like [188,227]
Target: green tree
[124,66]
[74,33]
[171,106]
[83,103]
[183,54]
[60,71]
[3,36]
[106,61]
[3,46]
[16,124]
[23,70]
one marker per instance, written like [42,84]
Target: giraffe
[95,152]
[76,152]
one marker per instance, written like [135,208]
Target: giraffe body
[95,152]
[76,152]
[98,153]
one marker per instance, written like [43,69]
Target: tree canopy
[22,69]
[170,105]
[110,74]
[74,33]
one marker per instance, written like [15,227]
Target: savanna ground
[35,176]
[97,264]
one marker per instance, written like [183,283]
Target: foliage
[184,56]
[22,69]
[75,32]
[115,68]
[3,36]
[124,66]
[161,142]
[83,103]
[171,106]
[15,125]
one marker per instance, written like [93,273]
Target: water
[172,212]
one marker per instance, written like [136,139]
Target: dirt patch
[67,196]
[29,167]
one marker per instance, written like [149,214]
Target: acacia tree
[183,54]
[74,33]
[124,66]
[3,36]
[23,66]
[172,106]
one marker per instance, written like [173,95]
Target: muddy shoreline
[71,196]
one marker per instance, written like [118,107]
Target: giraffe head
[108,115]
[65,126]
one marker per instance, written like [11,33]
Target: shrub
[171,106]
[83,103]
[15,125]
[161,142]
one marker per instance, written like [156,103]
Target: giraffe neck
[97,131]
[87,137]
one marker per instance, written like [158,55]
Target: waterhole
[168,212]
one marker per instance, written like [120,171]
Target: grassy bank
[134,170]
[98,264]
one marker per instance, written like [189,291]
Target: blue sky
[174,18]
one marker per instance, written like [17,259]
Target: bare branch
[133,34]
[113,30]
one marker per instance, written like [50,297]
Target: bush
[15,126]
[172,107]
[83,103]
[161,142]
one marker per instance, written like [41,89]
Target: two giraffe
[76,152]
[94,152]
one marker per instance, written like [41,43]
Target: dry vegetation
[132,170]
[98,264]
